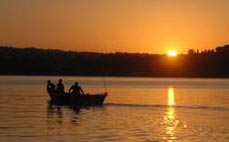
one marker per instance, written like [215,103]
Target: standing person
[76,89]
[50,87]
[60,87]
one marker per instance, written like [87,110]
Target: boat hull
[81,100]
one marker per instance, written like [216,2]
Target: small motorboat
[79,100]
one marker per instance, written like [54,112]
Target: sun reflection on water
[169,120]
[171,96]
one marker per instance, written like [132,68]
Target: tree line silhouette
[35,61]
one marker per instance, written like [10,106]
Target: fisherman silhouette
[60,86]
[50,86]
[76,90]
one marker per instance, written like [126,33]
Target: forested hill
[34,61]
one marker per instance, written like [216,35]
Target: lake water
[136,109]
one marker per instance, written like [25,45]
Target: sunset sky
[146,26]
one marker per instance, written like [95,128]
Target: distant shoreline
[169,77]
[42,62]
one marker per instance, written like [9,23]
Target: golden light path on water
[171,96]
[169,120]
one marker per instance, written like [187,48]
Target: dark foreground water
[137,109]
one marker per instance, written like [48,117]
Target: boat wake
[219,108]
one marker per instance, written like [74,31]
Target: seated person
[50,87]
[60,87]
[76,89]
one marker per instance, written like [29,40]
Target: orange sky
[149,26]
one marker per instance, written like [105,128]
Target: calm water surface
[137,109]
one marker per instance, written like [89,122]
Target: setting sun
[172,53]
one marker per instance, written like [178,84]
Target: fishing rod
[104,84]
[103,76]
